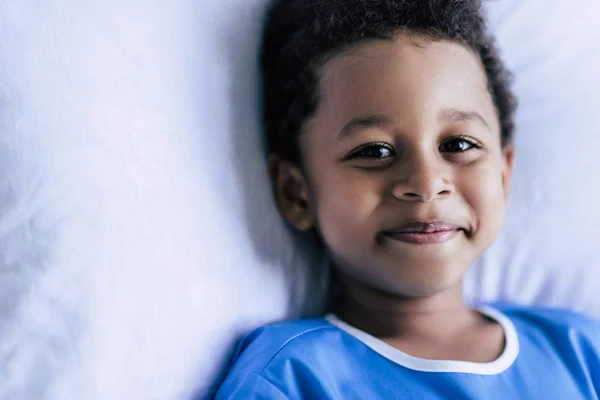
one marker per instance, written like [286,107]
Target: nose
[422,179]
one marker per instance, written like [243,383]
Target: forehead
[406,78]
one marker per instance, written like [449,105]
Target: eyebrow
[453,115]
[361,123]
[448,115]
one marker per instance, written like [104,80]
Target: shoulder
[259,348]
[282,360]
[547,318]
[560,339]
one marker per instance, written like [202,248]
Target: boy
[390,127]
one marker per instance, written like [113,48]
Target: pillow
[547,253]
[137,232]
[138,238]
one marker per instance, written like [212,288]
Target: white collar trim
[501,364]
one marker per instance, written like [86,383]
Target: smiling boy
[390,135]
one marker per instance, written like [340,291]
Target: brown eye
[374,151]
[458,145]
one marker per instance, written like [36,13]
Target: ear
[291,193]
[508,160]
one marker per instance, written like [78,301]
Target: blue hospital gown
[549,354]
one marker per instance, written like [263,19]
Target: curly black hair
[301,35]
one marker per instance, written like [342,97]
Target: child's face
[405,132]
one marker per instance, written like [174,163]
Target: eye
[377,151]
[458,144]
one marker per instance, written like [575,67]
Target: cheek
[483,190]
[344,204]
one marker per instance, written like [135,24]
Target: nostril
[412,195]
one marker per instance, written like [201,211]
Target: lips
[422,233]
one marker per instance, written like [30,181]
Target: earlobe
[508,160]
[291,193]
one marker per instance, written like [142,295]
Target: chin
[425,282]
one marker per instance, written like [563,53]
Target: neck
[386,315]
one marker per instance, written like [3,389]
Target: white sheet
[138,240]
[137,234]
[548,253]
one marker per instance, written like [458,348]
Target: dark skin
[405,134]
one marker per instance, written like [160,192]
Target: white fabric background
[548,253]
[137,234]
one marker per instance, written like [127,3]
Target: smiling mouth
[423,233]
